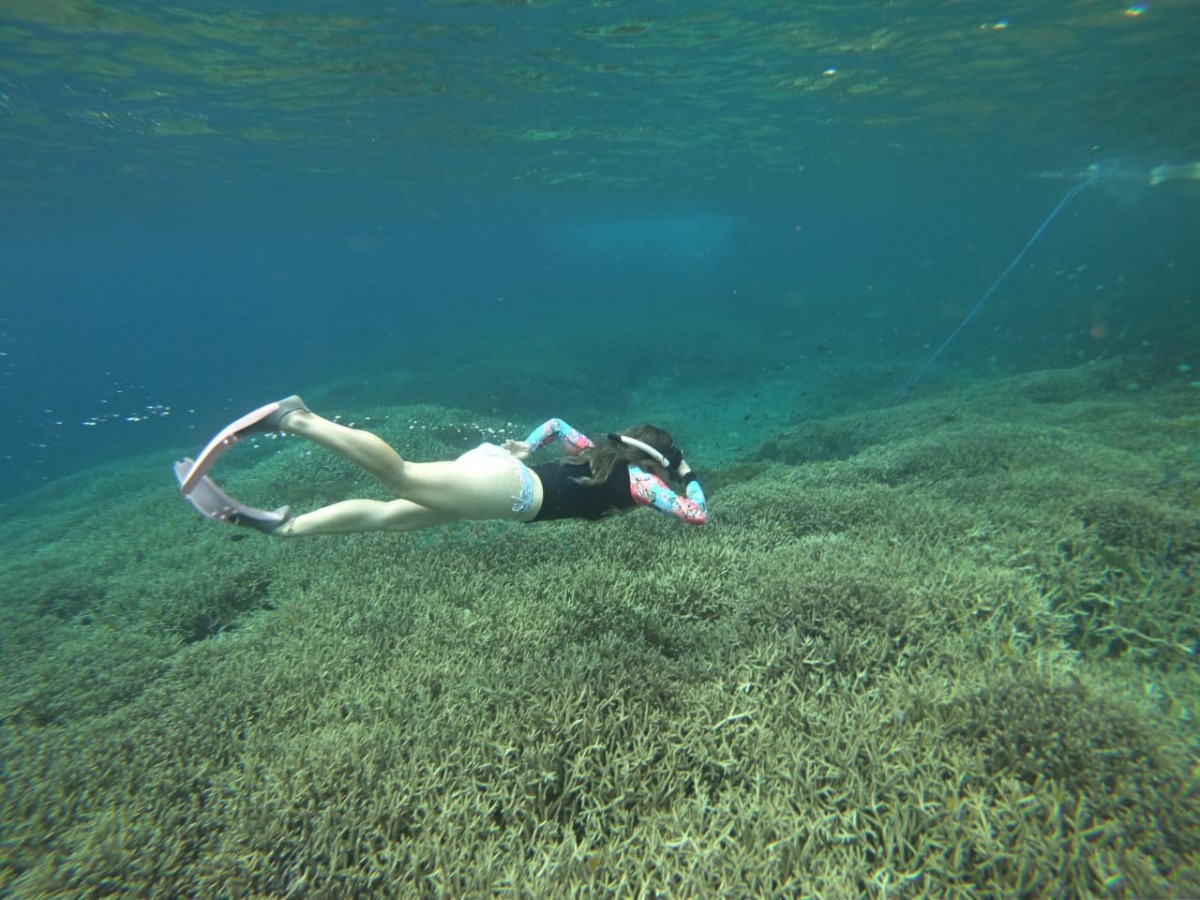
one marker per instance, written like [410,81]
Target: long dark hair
[607,453]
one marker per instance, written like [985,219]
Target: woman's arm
[574,442]
[650,490]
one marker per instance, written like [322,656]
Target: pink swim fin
[215,504]
[265,418]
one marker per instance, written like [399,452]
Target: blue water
[202,211]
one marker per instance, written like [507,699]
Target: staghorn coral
[869,677]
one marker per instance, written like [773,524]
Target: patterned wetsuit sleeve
[573,441]
[650,490]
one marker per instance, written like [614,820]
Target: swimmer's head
[655,444]
[646,446]
[652,452]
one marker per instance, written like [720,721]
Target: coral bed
[946,648]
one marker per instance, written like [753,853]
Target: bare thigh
[477,488]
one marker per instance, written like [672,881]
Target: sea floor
[944,646]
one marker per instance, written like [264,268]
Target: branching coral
[954,661]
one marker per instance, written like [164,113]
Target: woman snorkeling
[638,467]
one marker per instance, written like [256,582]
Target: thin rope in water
[1062,204]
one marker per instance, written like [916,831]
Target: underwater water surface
[913,284]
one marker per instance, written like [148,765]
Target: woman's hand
[519,449]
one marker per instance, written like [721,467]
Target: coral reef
[947,648]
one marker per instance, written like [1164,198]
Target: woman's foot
[273,420]
[277,523]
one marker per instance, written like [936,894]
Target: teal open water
[777,229]
[202,208]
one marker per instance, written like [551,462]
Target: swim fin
[213,503]
[265,418]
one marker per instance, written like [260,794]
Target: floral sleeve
[650,490]
[573,442]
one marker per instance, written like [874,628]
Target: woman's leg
[367,451]
[437,492]
[351,516]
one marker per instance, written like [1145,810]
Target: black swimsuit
[564,497]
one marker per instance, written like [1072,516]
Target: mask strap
[643,446]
